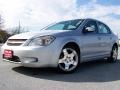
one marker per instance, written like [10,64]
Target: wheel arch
[115,44]
[74,45]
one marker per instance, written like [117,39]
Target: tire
[114,54]
[68,60]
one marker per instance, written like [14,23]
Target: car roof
[84,19]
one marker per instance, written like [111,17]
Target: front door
[91,43]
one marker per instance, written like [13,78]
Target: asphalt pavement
[96,75]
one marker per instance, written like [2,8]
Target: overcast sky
[37,13]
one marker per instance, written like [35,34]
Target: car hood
[29,35]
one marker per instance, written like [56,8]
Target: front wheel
[114,54]
[68,60]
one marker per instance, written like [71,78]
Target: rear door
[105,35]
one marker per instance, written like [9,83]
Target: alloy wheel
[68,60]
[114,54]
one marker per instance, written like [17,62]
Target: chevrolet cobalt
[63,45]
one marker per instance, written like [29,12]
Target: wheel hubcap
[115,53]
[68,60]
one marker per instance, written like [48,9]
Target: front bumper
[35,56]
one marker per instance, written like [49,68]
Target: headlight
[41,41]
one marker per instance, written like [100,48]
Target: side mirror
[88,29]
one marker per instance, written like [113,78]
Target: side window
[91,24]
[103,29]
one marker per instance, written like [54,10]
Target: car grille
[15,42]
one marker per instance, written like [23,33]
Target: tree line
[5,34]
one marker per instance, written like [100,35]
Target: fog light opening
[30,59]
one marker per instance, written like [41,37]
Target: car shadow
[95,71]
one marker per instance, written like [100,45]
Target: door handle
[110,38]
[99,38]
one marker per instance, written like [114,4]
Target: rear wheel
[68,60]
[114,54]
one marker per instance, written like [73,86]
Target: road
[97,75]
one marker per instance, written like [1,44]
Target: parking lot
[97,75]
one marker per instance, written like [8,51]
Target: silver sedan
[64,45]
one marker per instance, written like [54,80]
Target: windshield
[66,25]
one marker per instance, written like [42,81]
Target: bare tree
[3,34]
[1,22]
[17,30]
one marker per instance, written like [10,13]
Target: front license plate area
[8,54]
